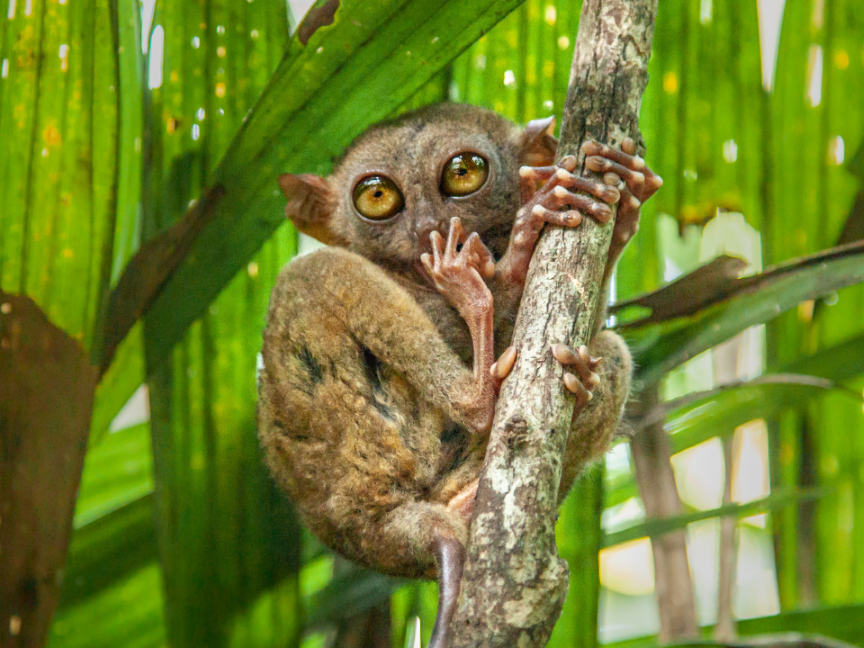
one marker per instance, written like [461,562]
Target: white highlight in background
[157,42]
[63,55]
[814,75]
[770,18]
[730,151]
[837,150]
[706,11]
[147,9]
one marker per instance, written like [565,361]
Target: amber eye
[377,198]
[464,174]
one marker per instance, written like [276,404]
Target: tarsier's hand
[459,274]
[636,182]
[557,203]
[625,179]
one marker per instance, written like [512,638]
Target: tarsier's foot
[584,380]
[636,182]
[458,272]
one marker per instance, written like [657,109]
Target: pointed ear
[310,206]
[537,143]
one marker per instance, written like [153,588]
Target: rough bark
[514,583]
[46,395]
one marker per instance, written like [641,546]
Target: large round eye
[378,198]
[464,174]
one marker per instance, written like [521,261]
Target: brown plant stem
[675,600]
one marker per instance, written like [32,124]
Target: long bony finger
[503,366]
[454,237]
[480,256]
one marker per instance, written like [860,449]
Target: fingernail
[557,350]
[561,353]
[527,171]
[563,174]
[561,192]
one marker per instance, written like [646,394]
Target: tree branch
[515,584]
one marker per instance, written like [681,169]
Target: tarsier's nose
[424,227]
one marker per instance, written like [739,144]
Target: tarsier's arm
[626,181]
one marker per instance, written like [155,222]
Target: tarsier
[379,381]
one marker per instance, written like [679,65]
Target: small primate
[379,381]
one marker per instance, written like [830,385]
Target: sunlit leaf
[656,527]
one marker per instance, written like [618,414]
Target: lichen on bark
[514,583]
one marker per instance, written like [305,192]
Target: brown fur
[365,362]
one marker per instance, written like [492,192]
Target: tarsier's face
[403,180]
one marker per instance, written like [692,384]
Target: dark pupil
[462,171]
[378,193]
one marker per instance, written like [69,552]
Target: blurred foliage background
[139,146]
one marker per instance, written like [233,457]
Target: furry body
[364,358]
